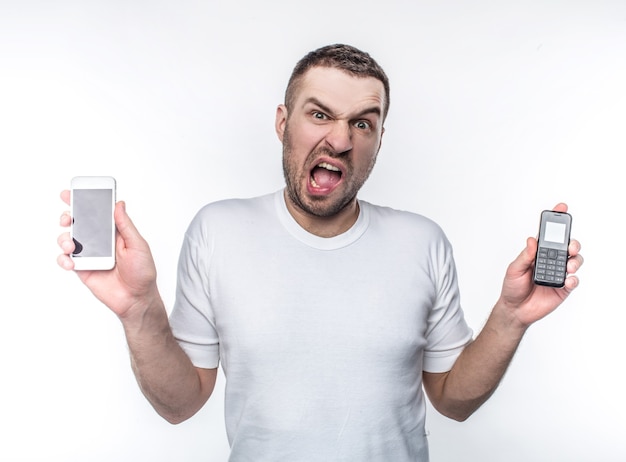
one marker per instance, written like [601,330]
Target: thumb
[530,252]
[125,226]
[525,259]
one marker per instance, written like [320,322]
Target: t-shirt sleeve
[447,332]
[192,320]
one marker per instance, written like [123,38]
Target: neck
[324,226]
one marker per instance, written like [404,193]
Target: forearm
[480,368]
[164,372]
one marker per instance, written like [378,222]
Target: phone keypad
[551,266]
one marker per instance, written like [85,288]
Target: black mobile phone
[552,255]
[93,228]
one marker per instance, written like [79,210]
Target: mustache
[324,150]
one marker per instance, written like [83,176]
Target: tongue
[325,178]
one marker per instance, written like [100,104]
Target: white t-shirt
[322,340]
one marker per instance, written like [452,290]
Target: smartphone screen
[93,229]
[92,222]
[551,261]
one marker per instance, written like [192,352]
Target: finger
[574,264]
[65,262]
[560,207]
[66,219]
[65,196]
[571,282]
[126,227]
[531,249]
[574,247]
[66,243]
[524,260]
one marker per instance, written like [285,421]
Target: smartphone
[93,228]
[553,241]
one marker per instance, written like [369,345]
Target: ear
[281,121]
[382,132]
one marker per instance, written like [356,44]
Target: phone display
[93,227]
[552,255]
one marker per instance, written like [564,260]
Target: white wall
[499,110]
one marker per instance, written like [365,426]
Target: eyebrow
[371,110]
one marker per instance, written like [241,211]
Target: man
[328,314]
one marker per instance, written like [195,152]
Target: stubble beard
[322,206]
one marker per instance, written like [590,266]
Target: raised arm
[166,376]
[479,369]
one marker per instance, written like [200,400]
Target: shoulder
[235,208]
[401,221]
[228,213]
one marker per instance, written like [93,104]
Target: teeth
[327,166]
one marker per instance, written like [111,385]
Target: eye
[363,125]
[319,115]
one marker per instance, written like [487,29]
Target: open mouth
[325,176]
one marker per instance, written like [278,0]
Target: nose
[339,137]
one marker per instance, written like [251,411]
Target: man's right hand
[166,376]
[131,284]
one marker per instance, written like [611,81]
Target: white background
[499,110]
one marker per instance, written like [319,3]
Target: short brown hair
[344,57]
